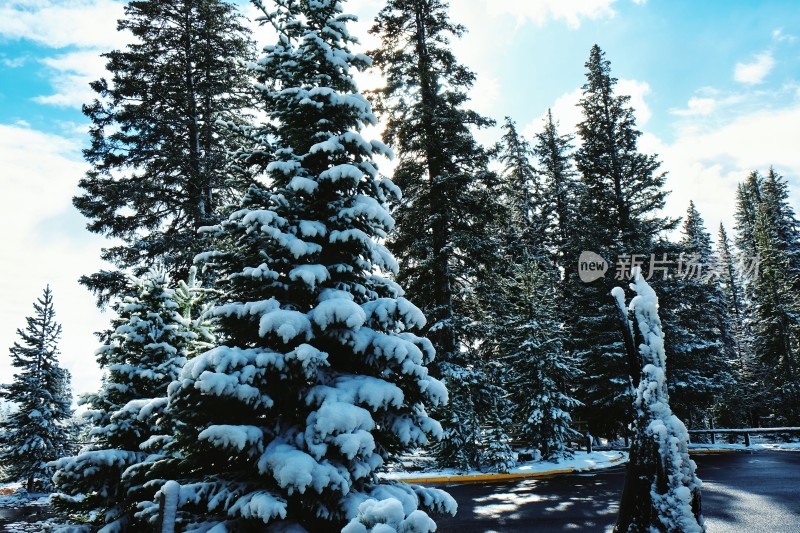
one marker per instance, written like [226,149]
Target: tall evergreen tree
[142,356]
[525,221]
[621,195]
[775,290]
[748,198]
[731,285]
[561,191]
[442,237]
[321,380]
[36,432]
[767,237]
[539,372]
[699,375]
[747,393]
[158,153]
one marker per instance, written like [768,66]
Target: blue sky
[716,87]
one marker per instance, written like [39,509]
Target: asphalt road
[742,493]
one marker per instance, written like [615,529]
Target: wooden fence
[741,431]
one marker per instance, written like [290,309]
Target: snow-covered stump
[662,491]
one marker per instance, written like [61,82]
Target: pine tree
[443,239]
[694,324]
[539,372]
[748,198]
[776,287]
[618,217]
[142,356]
[767,237]
[158,153]
[561,190]
[36,433]
[526,221]
[747,393]
[321,380]
[730,283]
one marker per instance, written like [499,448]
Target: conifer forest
[309,284]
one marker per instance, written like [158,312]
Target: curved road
[742,493]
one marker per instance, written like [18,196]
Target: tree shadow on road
[567,503]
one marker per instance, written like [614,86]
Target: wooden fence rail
[742,431]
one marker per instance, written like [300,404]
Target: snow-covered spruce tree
[162,127]
[662,491]
[539,372]
[526,220]
[35,432]
[321,380]
[443,238]
[746,392]
[699,376]
[768,232]
[776,293]
[561,190]
[142,356]
[621,195]
[735,305]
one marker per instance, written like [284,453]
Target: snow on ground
[724,446]
[580,462]
[20,511]
[23,512]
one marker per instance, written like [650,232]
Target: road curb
[716,451]
[506,477]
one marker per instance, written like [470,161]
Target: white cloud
[14,62]
[71,76]
[705,165]
[637,90]
[40,173]
[565,112]
[61,23]
[754,72]
[697,106]
[90,26]
[778,35]
[540,11]
[568,114]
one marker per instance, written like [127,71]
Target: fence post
[588,442]
[747,438]
[713,436]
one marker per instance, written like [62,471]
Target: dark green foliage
[539,373]
[36,432]
[443,238]
[768,230]
[742,400]
[559,191]
[522,294]
[621,194]
[699,375]
[321,379]
[160,167]
[141,357]
[524,224]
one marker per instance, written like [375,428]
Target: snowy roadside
[20,511]
[725,447]
[580,462]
